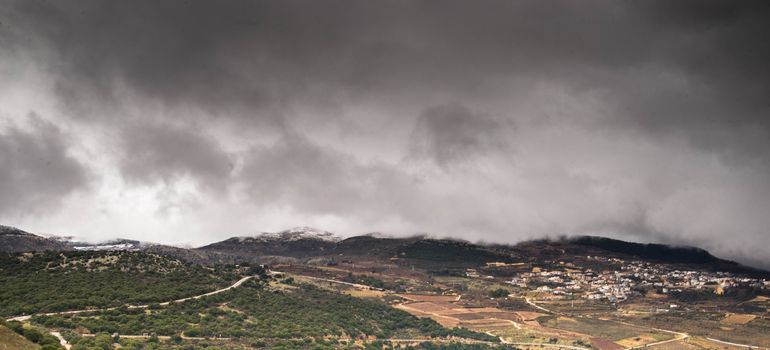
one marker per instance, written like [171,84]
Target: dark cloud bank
[486,120]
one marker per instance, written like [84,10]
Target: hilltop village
[619,282]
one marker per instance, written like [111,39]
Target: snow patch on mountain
[294,234]
[113,244]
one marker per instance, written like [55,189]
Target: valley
[302,289]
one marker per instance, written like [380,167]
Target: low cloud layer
[190,121]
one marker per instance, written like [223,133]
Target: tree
[499,293]
[176,338]
[103,341]
[32,335]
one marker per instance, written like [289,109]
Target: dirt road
[144,306]
[68,346]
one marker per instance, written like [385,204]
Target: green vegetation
[254,312]
[32,335]
[102,342]
[453,252]
[293,316]
[48,282]
[374,282]
[499,293]
[10,340]
[652,251]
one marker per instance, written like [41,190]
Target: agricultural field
[677,345]
[451,314]
[476,304]
[578,306]
[602,328]
[738,328]
[705,344]
[356,305]
[738,318]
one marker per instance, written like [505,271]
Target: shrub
[499,293]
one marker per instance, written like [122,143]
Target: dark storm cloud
[488,119]
[238,58]
[295,172]
[453,133]
[242,54]
[239,55]
[37,172]
[716,53]
[157,152]
[255,59]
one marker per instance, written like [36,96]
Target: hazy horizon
[193,121]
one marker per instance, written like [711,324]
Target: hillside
[304,244]
[275,312]
[319,291]
[16,240]
[651,251]
[10,340]
[45,282]
[431,253]
[295,243]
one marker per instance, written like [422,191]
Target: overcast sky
[188,122]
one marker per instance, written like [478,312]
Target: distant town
[617,285]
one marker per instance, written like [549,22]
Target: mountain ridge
[13,239]
[305,243]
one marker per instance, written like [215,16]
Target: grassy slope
[9,340]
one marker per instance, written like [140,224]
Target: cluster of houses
[628,278]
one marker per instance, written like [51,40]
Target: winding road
[144,306]
[679,335]
[68,346]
